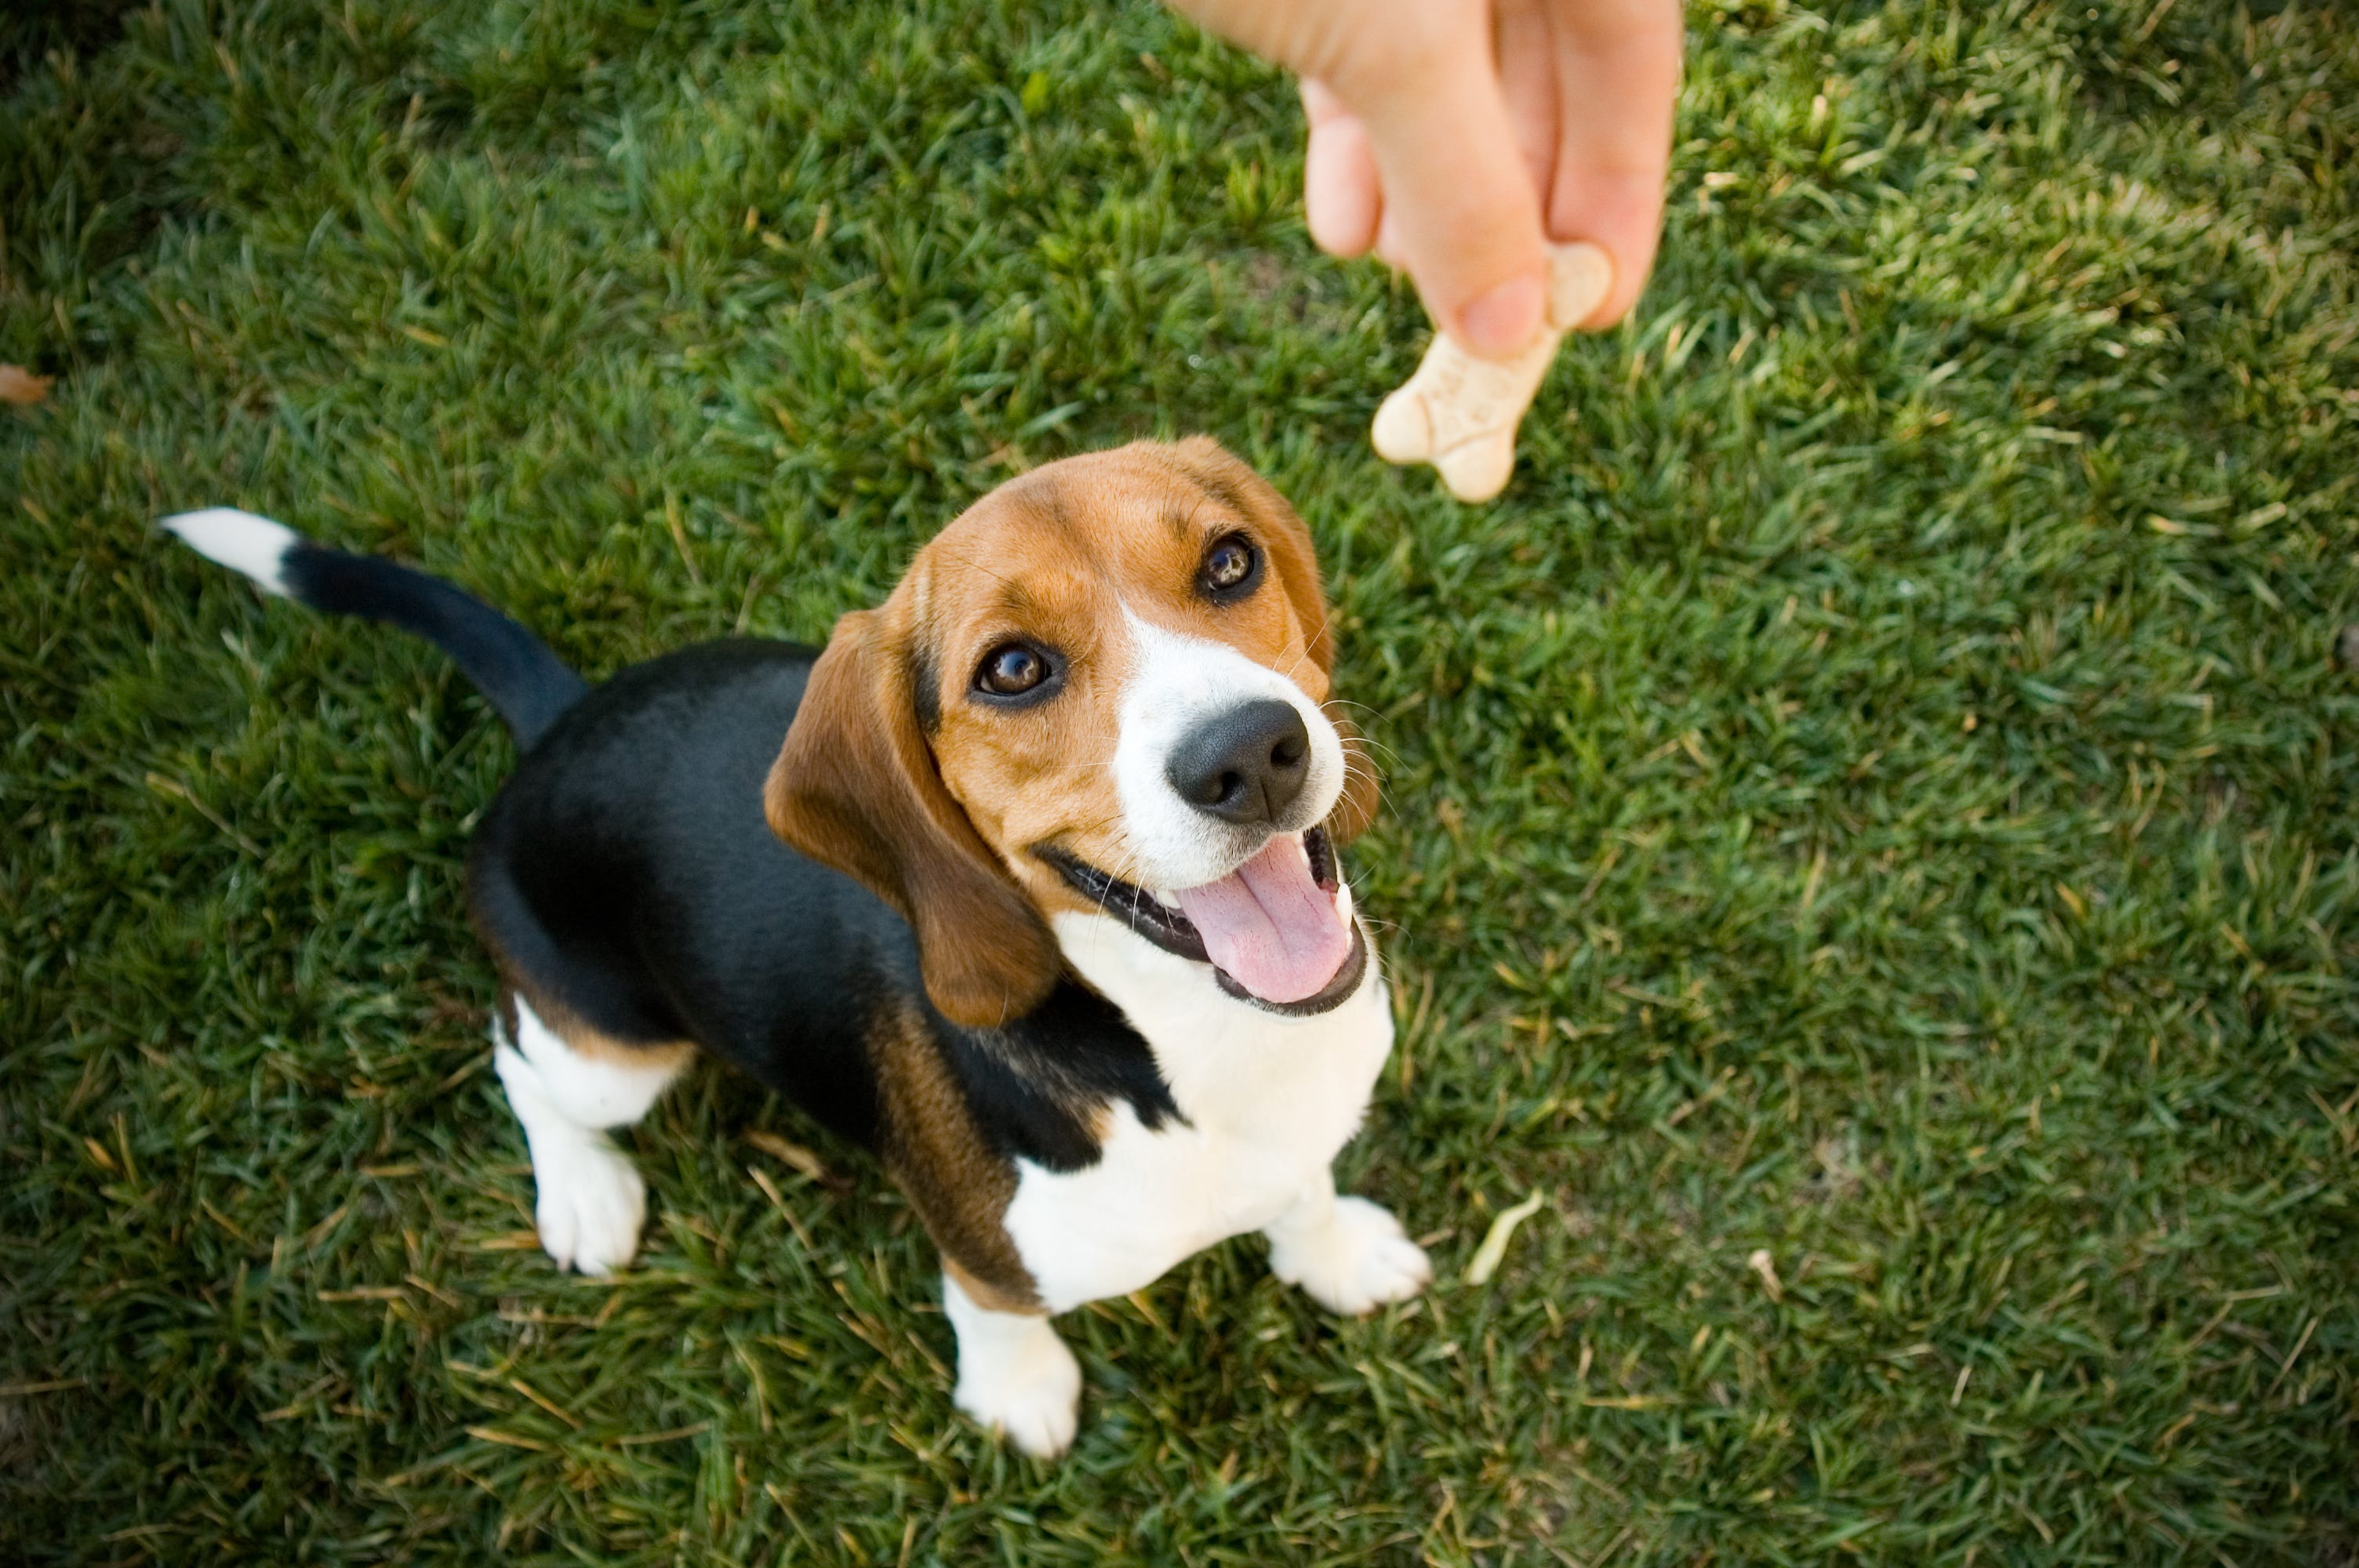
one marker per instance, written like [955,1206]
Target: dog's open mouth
[1274,929]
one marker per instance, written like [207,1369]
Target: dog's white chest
[1267,1103]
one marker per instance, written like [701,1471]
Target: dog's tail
[517,673]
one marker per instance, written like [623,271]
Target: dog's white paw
[1358,1261]
[591,1203]
[1027,1388]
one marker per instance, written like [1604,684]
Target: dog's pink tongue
[1273,929]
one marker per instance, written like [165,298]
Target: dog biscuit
[1459,413]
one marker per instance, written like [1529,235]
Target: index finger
[1618,86]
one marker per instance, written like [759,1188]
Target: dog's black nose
[1245,765]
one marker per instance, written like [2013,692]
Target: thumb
[1459,209]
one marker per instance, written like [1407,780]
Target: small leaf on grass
[22,388]
[1494,1240]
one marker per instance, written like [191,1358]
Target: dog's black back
[626,872]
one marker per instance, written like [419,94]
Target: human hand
[1459,138]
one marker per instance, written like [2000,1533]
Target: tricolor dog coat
[1028,881]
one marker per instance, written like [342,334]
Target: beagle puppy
[1028,881]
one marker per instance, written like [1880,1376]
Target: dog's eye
[1231,567]
[1011,670]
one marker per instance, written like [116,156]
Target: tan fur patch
[937,1156]
[583,1039]
[989,1297]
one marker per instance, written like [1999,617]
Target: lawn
[1875,797]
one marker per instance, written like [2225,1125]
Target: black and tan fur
[754,847]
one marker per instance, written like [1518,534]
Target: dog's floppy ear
[1296,561]
[856,788]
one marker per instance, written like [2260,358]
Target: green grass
[1879,789]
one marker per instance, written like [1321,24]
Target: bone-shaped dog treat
[1459,413]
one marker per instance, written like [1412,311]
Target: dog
[1026,881]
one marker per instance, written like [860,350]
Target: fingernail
[1504,319]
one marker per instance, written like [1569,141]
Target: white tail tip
[239,540]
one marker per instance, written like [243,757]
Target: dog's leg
[589,1202]
[1351,1255]
[1015,1375]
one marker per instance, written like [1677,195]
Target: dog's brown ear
[856,788]
[1236,486]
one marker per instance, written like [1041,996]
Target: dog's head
[1103,689]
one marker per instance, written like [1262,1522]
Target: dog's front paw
[1027,1388]
[591,1203]
[1356,1262]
